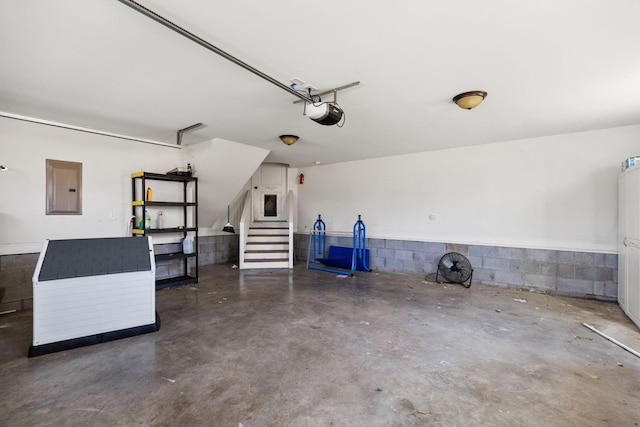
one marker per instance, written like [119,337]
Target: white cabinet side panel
[79,307]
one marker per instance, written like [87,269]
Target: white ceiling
[549,67]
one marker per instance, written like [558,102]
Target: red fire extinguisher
[301,179]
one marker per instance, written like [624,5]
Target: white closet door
[629,253]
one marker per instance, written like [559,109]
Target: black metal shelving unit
[139,205]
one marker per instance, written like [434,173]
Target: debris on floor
[498,310]
[407,404]
[520,300]
[613,340]
[362,322]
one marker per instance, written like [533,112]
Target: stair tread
[268,228]
[267,251]
[267,243]
[267,260]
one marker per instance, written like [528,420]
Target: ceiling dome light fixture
[289,139]
[469,100]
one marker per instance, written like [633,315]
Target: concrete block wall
[16,271]
[168,268]
[219,249]
[211,250]
[577,274]
[16,286]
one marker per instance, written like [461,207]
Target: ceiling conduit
[150,14]
[83,129]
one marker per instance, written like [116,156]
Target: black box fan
[455,268]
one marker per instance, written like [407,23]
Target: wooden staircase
[267,245]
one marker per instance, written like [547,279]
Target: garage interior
[525,185]
[303,347]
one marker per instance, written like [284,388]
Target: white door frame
[269,188]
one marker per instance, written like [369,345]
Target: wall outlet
[112,214]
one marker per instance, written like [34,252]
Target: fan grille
[455,268]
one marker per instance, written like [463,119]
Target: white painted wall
[222,167]
[557,192]
[106,188]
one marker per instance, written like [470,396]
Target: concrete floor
[307,348]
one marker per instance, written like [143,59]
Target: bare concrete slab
[309,348]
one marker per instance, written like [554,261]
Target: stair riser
[263,239]
[267,247]
[266,265]
[276,255]
[268,232]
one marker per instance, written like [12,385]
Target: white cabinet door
[629,243]
[632,191]
[633,283]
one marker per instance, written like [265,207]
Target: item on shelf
[188,171]
[147,220]
[187,245]
[149,194]
[160,220]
